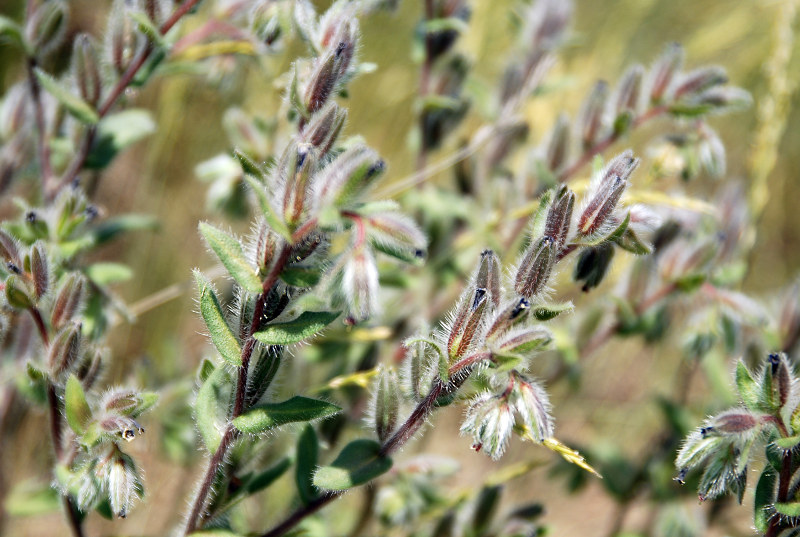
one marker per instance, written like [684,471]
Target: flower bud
[490,421]
[488,276]
[608,188]
[523,341]
[592,118]
[324,127]
[533,406]
[558,145]
[18,292]
[593,264]
[327,70]
[122,426]
[629,90]
[47,26]
[559,216]
[360,284]
[342,180]
[89,368]
[699,80]
[299,172]
[122,482]
[69,299]
[86,70]
[39,270]
[468,323]
[730,423]
[725,97]
[664,71]
[123,39]
[243,132]
[9,248]
[386,404]
[535,268]
[128,403]
[64,349]
[397,233]
[546,22]
[514,313]
[780,379]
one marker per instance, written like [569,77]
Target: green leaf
[545,312]
[788,509]
[358,463]
[748,389]
[230,253]
[32,499]
[106,273]
[75,406]
[303,327]
[10,29]
[250,166]
[261,418]
[211,407]
[147,27]
[277,225]
[765,497]
[268,476]
[307,456]
[77,107]
[111,228]
[215,532]
[117,132]
[221,334]
[788,443]
[300,276]
[631,242]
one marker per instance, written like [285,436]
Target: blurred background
[614,407]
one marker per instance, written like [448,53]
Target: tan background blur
[156,177]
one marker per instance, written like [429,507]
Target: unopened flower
[663,73]
[533,406]
[86,69]
[490,421]
[591,121]
[559,216]
[69,299]
[558,143]
[629,90]
[535,268]
[360,284]
[607,189]
[122,482]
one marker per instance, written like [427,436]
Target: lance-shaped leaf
[75,405]
[765,497]
[303,327]
[307,456]
[230,253]
[358,463]
[210,407]
[76,106]
[117,132]
[221,334]
[264,417]
[746,384]
[267,211]
[545,312]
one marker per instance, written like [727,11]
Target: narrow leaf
[765,496]
[264,417]
[306,325]
[358,463]
[211,407]
[788,509]
[117,132]
[277,225]
[75,406]
[307,456]
[268,476]
[748,389]
[105,273]
[76,106]
[221,334]
[230,253]
[545,312]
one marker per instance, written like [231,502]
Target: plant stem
[119,88]
[41,139]
[230,435]
[784,480]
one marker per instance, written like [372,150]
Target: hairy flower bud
[732,422]
[86,69]
[64,349]
[342,180]
[267,21]
[89,368]
[360,284]
[47,26]
[664,72]
[127,402]
[123,426]
[592,118]
[490,421]
[18,292]
[386,404]
[299,172]
[69,299]
[522,341]
[533,406]
[699,80]
[780,379]
[535,268]
[324,77]
[397,234]
[559,216]
[608,187]
[122,482]
[467,323]
[9,248]
[488,276]
[629,90]
[512,314]
[789,321]
[122,38]
[324,127]
[558,144]
[39,269]
[593,264]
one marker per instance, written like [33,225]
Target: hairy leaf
[261,418]
[230,253]
[221,334]
[358,463]
[75,405]
[303,327]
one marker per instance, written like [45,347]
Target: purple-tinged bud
[558,145]
[47,26]
[18,292]
[725,97]
[559,216]
[629,90]
[324,77]
[122,482]
[244,134]
[397,234]
[507,136]
[360,284]
[346,39]
[490,422]
[523,341]
[664,72]
[69,299]
[266,246]
[608,189]
[122,39]
[157,10]
[781,378]
[488,276]
[324,127]
[533,406]
[700,80]
[266,22]
[546,22]
[342,180]
[732,422]
[123,426]
[299,174]
[64,349]
[86,70]
[514,313]
[535,268]
[593,264]
[9,248]
[592,118]
[90,366]
[128,403]
[468,324]
[386,404]
[40,271]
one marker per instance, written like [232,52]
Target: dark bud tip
[480,295]
[31,217]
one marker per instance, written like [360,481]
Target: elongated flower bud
[39,269]
[360,284]
[535,268]
[523,341]
[533,406]
[122,482]
[664,72]
[69,299]
[86,69]
[490,421]
[732,422]
[324,127]
[488,276]
[323,80]
[296,191]
[398,234]
[64,349]
[342,180]
[609,186]
[125,402]
[592,116]
[700,80]
[558,145]
[629,90]
[508,317]
[9,248]
[467,324]
[386,404]
[781,378]
[123,39]
[46,28]
[559,216]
